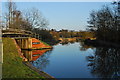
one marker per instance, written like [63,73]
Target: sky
[63,15]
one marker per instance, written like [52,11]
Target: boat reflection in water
[33,55]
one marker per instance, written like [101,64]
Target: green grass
[45,43]
[12,64]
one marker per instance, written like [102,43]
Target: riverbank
[12,66]
[42,73]
[100,43]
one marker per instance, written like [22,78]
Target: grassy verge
[45,43]
[12,64]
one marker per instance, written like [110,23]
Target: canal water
[76,60]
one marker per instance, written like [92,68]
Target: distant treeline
[53,36]
[71,34]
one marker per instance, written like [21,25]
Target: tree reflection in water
[84,47]
[42,61]
[67,42]
[105,63]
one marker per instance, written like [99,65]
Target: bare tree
[27,20]
[14,18]
[35,18]
[11,6]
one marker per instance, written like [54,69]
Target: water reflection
[84,47]
[42,61]
[67,42]
[67,60]
[34,54]
[105,63]
[64,61]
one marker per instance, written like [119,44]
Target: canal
[76,60]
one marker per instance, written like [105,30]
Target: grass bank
[45,43]
[12,66]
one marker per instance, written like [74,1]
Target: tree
[104,22]
[11,6]
[45,35]
[36,20]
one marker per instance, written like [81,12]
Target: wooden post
[26,43]
[1,58]
[29,43]
[28,55]
[21,42]
[38,36]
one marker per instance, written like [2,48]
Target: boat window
[36,43]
